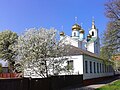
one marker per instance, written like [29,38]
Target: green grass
[112,86]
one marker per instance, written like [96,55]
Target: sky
[19,15]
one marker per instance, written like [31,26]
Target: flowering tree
[40,51]
[7,40]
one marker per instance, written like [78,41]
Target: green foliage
[104,54]
[0,68]
[112,86]
[7,40]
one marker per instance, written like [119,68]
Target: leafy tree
[111,36]
[7,41]
[40,51]
[112,39]
[104,54]
[0,68]
[116,61]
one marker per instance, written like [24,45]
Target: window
[103,68]
[94,68]
[70,65]
[106,68]
[92,33]
[90,67]
[109,68]
[86,67]
[100,68]
[74,33]
[97,67]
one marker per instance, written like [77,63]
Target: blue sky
[17,15]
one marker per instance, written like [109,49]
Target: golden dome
[89,36]
[62,33]
[76,27]
[81,31]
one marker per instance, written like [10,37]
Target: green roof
[92,40]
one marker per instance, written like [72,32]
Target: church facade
[85,52]
[77,39]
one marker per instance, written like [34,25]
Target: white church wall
[74,43]
[90,47]
[69,41]
[78,64]
[100,73]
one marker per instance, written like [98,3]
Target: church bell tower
[93,43]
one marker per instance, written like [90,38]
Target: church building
[77,39]
[85,52]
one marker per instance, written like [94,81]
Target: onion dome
[76,27]
[89,36]
[62,33]
[82,31]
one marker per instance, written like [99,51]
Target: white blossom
[40,51]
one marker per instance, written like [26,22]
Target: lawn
[112,86]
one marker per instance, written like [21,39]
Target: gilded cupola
[62,33]
[76,27]
[89,36]
[82,31]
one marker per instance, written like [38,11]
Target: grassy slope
[113,86]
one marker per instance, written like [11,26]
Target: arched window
[92,33]
[74,33]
